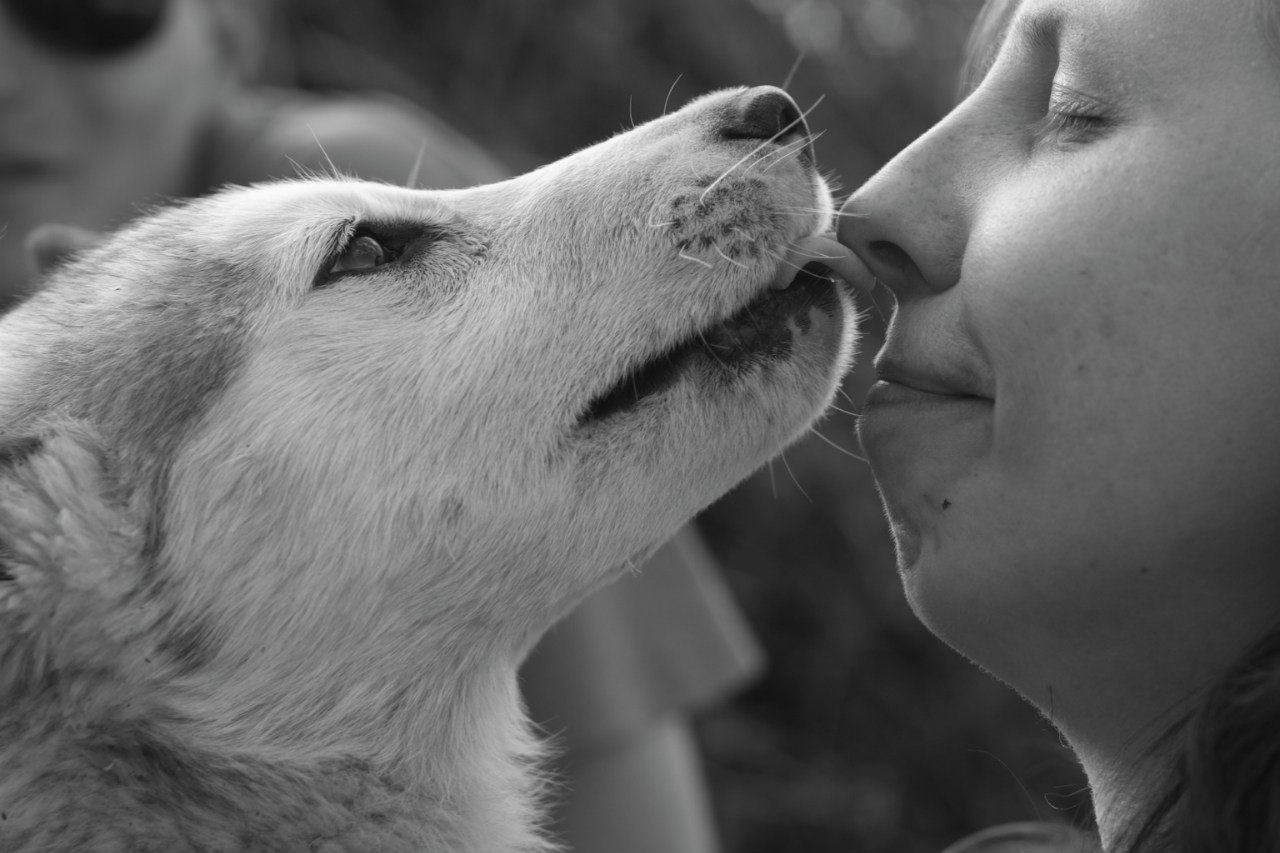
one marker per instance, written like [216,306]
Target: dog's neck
[435,713]
[294,745]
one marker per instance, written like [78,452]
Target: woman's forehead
[1041,21]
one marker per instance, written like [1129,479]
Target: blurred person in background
[107,106]
[1074,429]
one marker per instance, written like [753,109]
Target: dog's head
[347,410]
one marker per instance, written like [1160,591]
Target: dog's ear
[50,245]
[70,559]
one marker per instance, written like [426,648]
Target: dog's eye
[373,245]
[364,252]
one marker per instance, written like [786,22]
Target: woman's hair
[1221,792]
[984,38]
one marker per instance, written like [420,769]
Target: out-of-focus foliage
[866,734]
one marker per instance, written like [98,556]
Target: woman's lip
[899,423]
[892,392]
[956,372]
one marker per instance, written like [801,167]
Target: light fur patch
[282,537]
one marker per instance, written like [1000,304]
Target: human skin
[1074,437]
[88,142]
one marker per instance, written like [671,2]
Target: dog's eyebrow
[393,230]
[401,230]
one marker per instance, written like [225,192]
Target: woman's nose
[909,223]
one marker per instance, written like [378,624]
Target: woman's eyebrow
[1038,31]
[1041,31]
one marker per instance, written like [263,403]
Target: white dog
[294,475]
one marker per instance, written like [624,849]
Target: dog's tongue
[835,256]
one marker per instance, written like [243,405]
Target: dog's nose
[768,113]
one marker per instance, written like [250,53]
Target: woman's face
[86,141]
[1077,437]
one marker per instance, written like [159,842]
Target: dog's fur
[274,536]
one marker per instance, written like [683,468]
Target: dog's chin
[769,330]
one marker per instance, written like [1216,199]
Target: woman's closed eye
[1071,117]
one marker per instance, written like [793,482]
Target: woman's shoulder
[266,134]
[1028,837]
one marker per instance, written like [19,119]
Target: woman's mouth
[890,393]
[915,425]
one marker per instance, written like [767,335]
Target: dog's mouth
[763,331]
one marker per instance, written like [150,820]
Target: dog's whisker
[787,465]
[817,256]
[876,304]
[687,257]
[303,171]
[784,153]
[333,170]
[786,208]
[845,451]
[709,348]
[794,148]
[782,259]
[669,91]
[721,253]
[727,172]
[766,143]
[814,106]
[843,392]
[795,66]
[414,173]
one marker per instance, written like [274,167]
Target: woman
[108,106]
[1073,433]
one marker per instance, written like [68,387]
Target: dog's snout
[767,113]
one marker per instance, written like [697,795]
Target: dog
[293,476]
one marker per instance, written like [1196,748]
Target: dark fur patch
[132,753]
[191,646]
[18,448]
[13,451]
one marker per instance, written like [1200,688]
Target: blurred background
[865,733]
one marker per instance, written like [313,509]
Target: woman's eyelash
[1068,121]
[1070,115]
